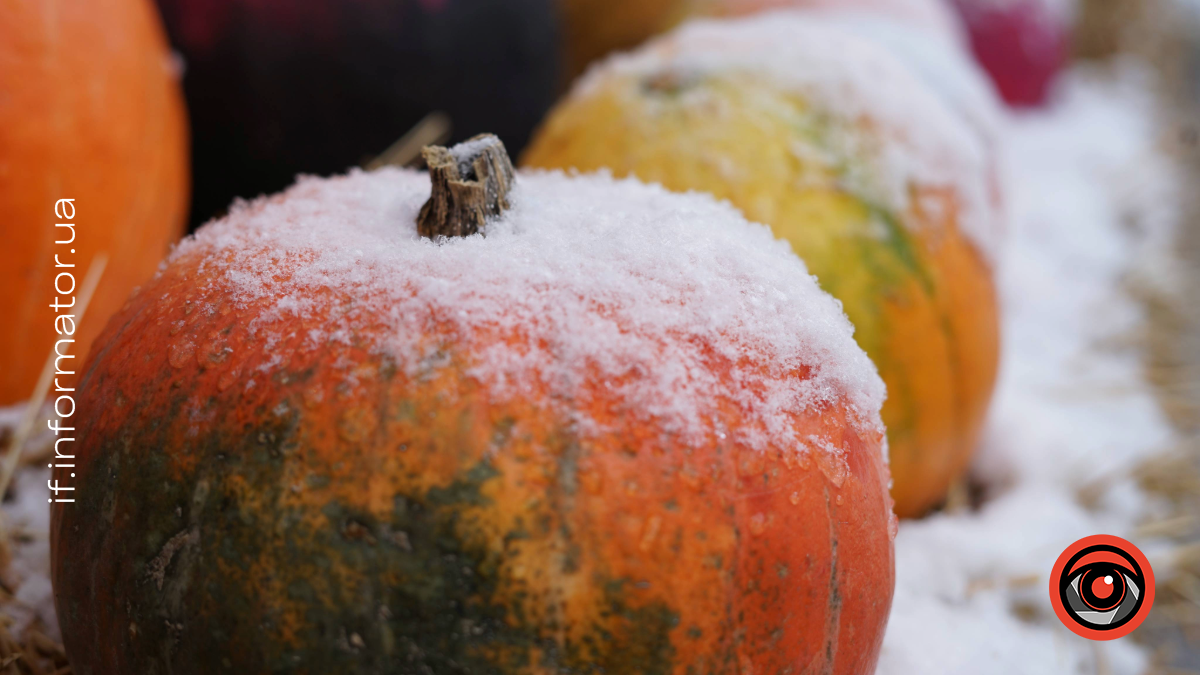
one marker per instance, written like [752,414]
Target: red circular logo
[1102,587]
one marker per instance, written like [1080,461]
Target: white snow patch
[1071,405]
[933,18]
[28,572]
[601,280]
[945,67]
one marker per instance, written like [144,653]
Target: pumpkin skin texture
[91,111]
[919,293]
[403,520]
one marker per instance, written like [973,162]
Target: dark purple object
[280,87]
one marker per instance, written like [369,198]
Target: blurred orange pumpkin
[91,110]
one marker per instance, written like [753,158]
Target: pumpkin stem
[471,182]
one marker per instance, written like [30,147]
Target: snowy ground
[28,573]
[1090,199]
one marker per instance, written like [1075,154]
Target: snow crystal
[1071,408]
[602,278]
[464,153]
[923,141]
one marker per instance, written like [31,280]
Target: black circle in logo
[1100,585]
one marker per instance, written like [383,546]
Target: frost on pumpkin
[608,280]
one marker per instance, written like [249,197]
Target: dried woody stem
[471,182]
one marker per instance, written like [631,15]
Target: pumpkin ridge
[833,620]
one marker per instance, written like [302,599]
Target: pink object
[1022,44]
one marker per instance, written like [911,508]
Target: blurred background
[158,116]
[277,88]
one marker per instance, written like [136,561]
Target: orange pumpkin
[589,442]
[91,111]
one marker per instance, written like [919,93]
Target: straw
[11,459]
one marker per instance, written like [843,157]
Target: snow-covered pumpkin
[595,28]
[90,110]
[623,432]
[876,183]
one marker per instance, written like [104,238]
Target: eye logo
[1102,587]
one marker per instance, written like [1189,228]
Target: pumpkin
[594,28]
[871,179]
[91,111]
[624,432]
[279,88]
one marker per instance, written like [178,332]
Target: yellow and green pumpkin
[872,179]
